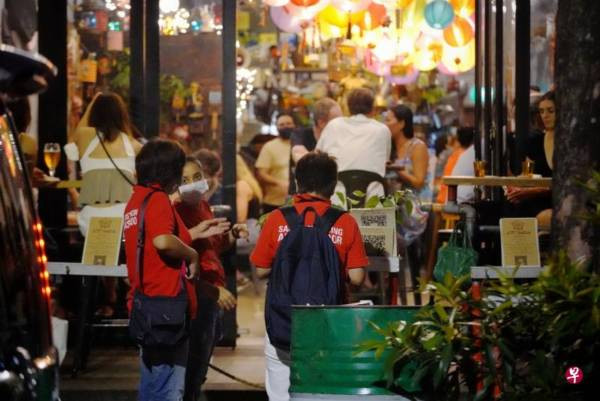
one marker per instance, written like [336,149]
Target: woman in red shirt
[212,295]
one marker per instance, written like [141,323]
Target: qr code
[520,260]
[370,220]
[375,245]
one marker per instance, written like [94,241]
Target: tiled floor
[116,368]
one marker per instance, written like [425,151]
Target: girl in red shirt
[213,297]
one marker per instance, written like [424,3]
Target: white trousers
[277,375]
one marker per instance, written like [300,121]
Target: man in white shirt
[358,142]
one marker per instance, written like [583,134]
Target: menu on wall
[519,241]
[103,241]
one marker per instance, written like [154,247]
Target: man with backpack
[310,250]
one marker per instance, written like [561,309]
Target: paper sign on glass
[103,241]
[519,241]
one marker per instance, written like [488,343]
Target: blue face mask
[192,193]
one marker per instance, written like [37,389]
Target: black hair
[161,162]
[465,136]
[547,96]
[404,113]
[361,101]
[316,172]
[109,115]
[21,113]
[440,144]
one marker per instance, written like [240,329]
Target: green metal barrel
[324,344]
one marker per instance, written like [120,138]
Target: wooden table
[67,184]
[493,181]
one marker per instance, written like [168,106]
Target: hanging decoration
[276,3]
[351,5]
[459,33]
[286,21]
[459,59]
[439,14]
[463,8]
[394,39]
[334,16]
[308,11]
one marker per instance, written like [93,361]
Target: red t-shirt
[211,268]
[161,277]
[344,234]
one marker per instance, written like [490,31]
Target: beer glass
[51,156]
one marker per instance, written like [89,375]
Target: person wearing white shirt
[464,167]
[358,142]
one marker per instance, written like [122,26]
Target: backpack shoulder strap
[290,215]
[141,239]
[330,217]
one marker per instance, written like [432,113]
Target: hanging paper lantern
[402,3]
[459,33]
[463,8]
[428,55]
[308,11]
[385,51]
[459,59]
[330,31]
[439,14]
[413,15]
[351,5]
[376,67]
[276,3]
[375,16]
[411,76]
[286,21]
[304,3]
[333,16]
[387,3]
[442,69]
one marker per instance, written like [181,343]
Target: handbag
[412,221]
[156,320]
[457,256]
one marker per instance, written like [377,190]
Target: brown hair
[109,115]
[322,109]
[210,160]
[360,101]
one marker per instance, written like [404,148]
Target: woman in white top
[104,133]
[104,130]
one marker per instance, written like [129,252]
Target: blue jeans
[205,332]
[163,381]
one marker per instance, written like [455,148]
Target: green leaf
[359,194]
[341,197]
[372,202]
[388,203]
[353,202]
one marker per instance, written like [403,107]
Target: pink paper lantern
[285,21]
[276,3]
[351,5]
[405,79]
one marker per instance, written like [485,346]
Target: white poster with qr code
[379,241]
[519,242]
[379,217]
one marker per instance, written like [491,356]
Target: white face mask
[192,193]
